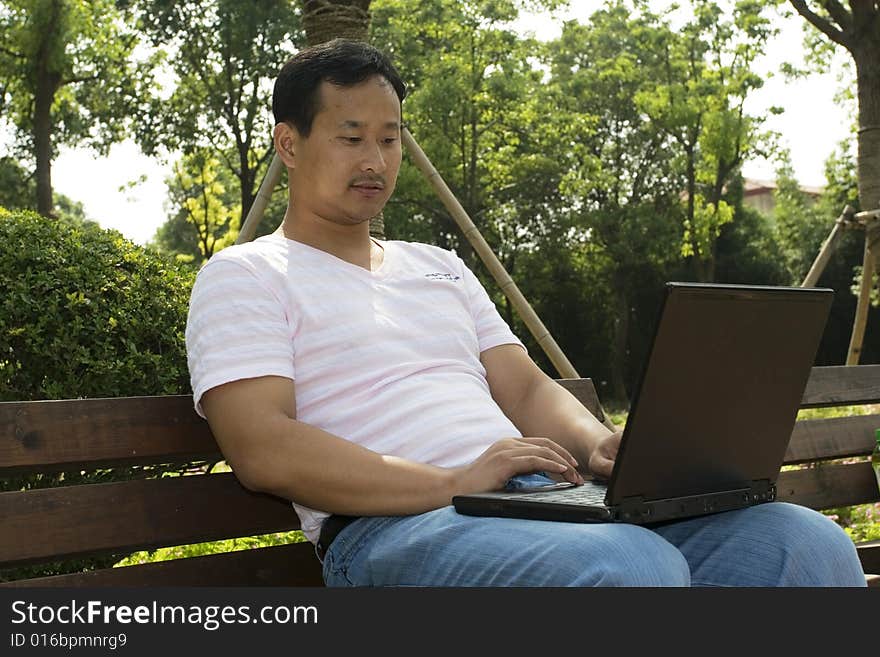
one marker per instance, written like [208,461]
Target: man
[370,381]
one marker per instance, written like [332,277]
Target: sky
[811,127]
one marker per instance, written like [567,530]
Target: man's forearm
[550,411]
[314,468]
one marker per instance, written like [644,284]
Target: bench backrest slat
[833,438]
[44,436]
[280,565]
[841,385]
[127,516]
[829,486]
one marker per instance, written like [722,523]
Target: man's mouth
[369,189]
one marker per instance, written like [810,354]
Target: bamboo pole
[270,181]
[871,221]
[824,256]
[861,319]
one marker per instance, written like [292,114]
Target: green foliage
[208,217]
[17,189]
[861,522]
[18,192]
[747,250]
[701,81]
[69,76]
[800,225]
[475,106]
[225,55]
[86,313]
[213,547]
[86,50]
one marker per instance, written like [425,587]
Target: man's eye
[390,140]
[352,140]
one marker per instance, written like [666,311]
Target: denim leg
[444,548]
[775,544]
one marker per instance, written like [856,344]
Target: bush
[87,313]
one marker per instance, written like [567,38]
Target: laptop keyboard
[589,494]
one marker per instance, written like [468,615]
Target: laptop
[711,417]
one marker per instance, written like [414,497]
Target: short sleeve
[236,329]
[492,330]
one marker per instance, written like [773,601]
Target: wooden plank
[842,385]
[294,564]
[585,392]
[829,486]
[46,436]
[56,523]
[70,434]
[833,438]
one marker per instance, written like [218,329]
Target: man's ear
[285,138]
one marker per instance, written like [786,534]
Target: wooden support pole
[861,319]
[270,181]
[828,246]
[871,221]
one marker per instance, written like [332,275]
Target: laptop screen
[721,388]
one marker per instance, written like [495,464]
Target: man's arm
[539,406]
[254,422]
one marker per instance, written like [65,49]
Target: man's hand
[602,459]
[515,456]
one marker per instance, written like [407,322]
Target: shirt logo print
[442,277]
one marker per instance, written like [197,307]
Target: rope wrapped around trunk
[325,20]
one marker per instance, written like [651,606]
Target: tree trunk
[46,85]
[867,59]
[43,142]
[248,179]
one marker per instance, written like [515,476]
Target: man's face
[346,169]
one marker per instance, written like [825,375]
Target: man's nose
[373,159]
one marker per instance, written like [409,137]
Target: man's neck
[349,243]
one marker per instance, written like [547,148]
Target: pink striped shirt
[388,359]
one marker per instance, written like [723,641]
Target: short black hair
[342,62]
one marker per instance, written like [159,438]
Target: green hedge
[87,313]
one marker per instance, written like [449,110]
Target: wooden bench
[45,525]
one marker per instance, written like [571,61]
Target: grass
[212,547]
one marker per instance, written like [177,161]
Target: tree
[68,75]
[200,191]
[857,29]
[224,54]
[619,184]
[203,196]
[698,100]
[474,107]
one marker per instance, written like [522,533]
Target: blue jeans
[774,544]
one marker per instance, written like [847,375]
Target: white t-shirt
[388,359]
